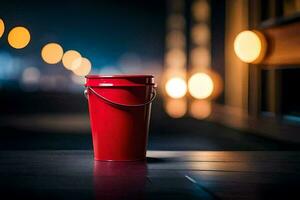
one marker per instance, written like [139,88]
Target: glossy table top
[72,174]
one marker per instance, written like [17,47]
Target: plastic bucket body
[119,108]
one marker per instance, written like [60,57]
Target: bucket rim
[154,85]
[94,76]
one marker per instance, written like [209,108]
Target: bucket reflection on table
[120,180]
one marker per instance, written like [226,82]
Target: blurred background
[227,71]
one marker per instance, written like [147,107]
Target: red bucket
[119,109]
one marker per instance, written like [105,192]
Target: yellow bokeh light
[52,53]
[18,37]
[2,27]
[176,87]
[200,85]
[200,109]
[84,68]
[176,108]
[249,46]
[71,59]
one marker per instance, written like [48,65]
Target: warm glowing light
[175,58]
[176,22]
[2,27]
[200,109]
[176,108]
[201,34]
[200,10]
[52,53]
[200,57]
[176,87]
[18,37]
[175,39]
[200,85]
[249,46]
[84,68]
[71,59]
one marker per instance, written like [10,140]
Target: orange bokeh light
[176,108]
[71,59]
[18,37]
[84,68]
[2,27]
[200,109]
[52,53]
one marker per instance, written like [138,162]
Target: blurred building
[192,47]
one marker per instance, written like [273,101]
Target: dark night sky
[100,30]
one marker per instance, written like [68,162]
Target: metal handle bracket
[86,91]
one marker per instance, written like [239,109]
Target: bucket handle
[154,93]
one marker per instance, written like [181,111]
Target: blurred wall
[236,72]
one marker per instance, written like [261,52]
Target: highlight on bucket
[119,109]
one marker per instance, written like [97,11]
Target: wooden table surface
[73,174]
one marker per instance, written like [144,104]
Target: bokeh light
[200,10]
[175,58]
[200,57]
[84,68]
[176,21]
[172,72]
[176,108]
[200,85]
[216,79]
[52,53]
[201,34]
[18,37]
[249,46]
[167,74]
[200,109]
[71,59]
[2,27]
[31,75]
[175,39]
[176,87]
